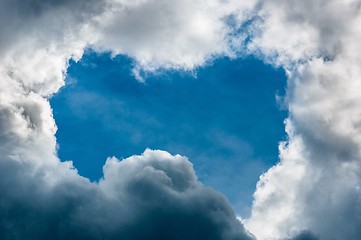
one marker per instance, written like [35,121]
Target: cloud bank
[153,196]
[315,187]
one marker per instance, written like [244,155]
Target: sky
[224,117]
[169,119]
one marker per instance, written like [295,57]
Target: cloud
[171,34]
[316,184]
[153,196]
[305,236]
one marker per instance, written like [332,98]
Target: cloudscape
[233,119]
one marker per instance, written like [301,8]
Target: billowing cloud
[316,185]
[153,196]
[171,34]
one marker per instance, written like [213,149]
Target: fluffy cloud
[153,196]
[41,36]
[316,185]
[172,34]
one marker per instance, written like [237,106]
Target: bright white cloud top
[316,185]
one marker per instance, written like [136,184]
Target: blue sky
[224,117]
[207,95]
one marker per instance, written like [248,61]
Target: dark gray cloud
[305,235]
[153,196]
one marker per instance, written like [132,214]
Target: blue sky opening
[224,117]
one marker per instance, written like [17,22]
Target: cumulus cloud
[316,184]
[153,196]
[171,34]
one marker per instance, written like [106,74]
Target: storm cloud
[152,196]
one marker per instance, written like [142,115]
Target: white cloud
[171,34]
[316,184]
[42,197]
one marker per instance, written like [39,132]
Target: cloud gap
[315,187]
